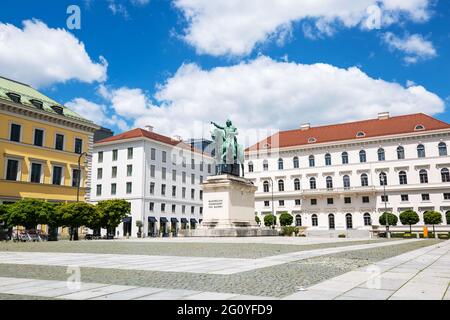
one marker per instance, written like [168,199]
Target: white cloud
[415,47]
[235,27]
[268,94]
[118,8]
[140,2]
[41,56]
[96,112]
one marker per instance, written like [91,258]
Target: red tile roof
[347,131]
[141,133]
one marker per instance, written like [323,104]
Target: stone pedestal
[229,208]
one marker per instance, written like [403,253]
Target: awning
[184,220]
[193,220]
[173,220]
[163,219]
[126,219]
[152,219]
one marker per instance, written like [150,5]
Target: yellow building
[41,142]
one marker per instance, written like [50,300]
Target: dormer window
[419,127]
[14,97]
[58,109]
[312,140]
[360,134]
[38,104]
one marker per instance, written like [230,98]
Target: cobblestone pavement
[171,263]
[418,274]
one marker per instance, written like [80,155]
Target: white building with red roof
[160,176]
[330,178]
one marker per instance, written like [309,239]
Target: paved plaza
[312,269]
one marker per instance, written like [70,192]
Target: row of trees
[29,213]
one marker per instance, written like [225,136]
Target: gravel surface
[277,281]
[224,250]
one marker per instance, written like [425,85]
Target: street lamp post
[273,212]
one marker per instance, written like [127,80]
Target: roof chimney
[149,128]
[305,126]
[383,115]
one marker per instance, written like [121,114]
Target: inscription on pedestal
[215,204]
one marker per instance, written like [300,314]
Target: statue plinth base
[229,209]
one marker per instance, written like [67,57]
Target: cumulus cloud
[41,56]
[414,46]
[235,27]
[267,94]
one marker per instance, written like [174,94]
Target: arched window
[329,182]
[383,179]
[312,162]
[280,164]
[442,149]
[265,165]
[298,220]
[295,161]
[381,155]
[367,219]
[250,166]
[327,159]
[362,156]
[314,220]
[423,176]
[280,185]
[403,179]
[331,221]
[364,180]
[312,183]
[400,153]
[266,186]
[344,156]
[346,180]
[445,175]
[349,221]
[297,184]
[421,151]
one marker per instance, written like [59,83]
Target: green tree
[432,217]
[112,212]
[270,220]
[286,219]
[257,219]
[409,217]
[28,213]
[75,215]
[3,213]
[392,219]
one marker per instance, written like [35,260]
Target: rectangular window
[152,170]
[192,178]
[152,188]
[164,156]
[404,197]
[38,137]
[129,187]
[201,166]
[163,173]
[384,198]
[192,193]
[365,199]
[446,196]
[281,203]
[115,154]
[12,169]
[130,153]
[313,202]
[99,173]
[183,177]
[183,209]
[113,189]
[59,141]
[152,206]
[347,200]
[100,156]
[174,207]
[209,168]
[114,172]
[201,210]
[192,164]
[15,132]
[75,177]
[163,189]
[78,145]
[163,207]
[425,197]
[266,203]
[174,159]
[174,191]
[129,170]
[297,202]
[183,193]
[174,175]
[201,179]
[153,154]
[329,200]
[192,209]
[36,169]
[183,162]
[201,194]
[57,175]
[99,190]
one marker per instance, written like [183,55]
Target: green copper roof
[27,93]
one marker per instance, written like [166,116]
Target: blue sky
[179,64]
